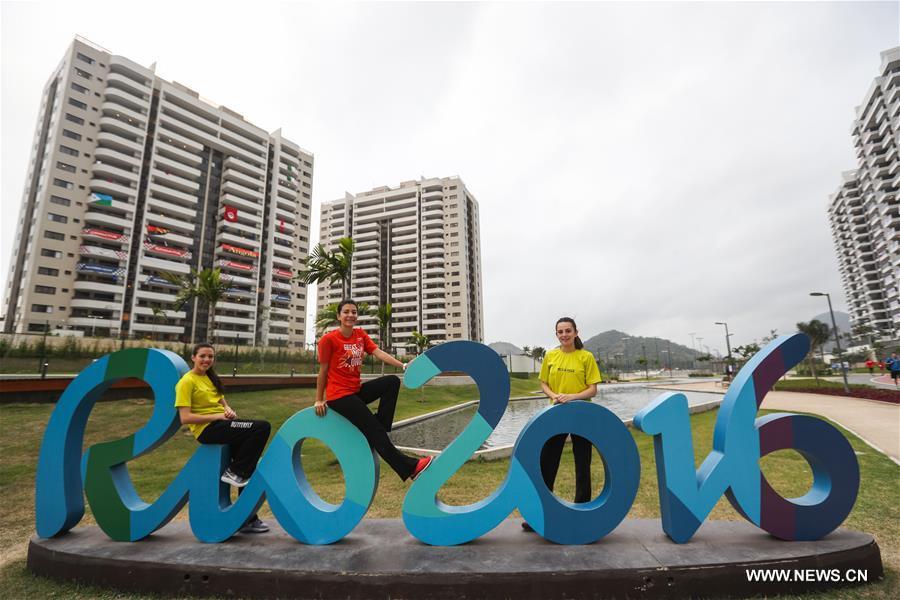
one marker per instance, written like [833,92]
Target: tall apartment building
[865,210]
[132,177]
[418,247]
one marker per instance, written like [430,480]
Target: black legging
[375,427]
[246,439]
[583,451]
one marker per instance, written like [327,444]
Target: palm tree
[157,313]
[383,314]
[333,267]
[207,286]
[818,333]
[420,341]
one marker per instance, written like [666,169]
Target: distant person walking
[339,387]
[200,400]
[568,373]
[893,364]
[870,364]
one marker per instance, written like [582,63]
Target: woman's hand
[562,398]
[229,413]
[321,407]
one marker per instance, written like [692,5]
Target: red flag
[231,214]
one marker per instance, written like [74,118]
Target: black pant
[375,427]
[245,438]
[583,451]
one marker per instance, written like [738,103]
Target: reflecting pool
[437,432]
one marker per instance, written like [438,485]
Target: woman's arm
[189,418]
[321,382]
[588,392]
[550,393]
[229,412]
[388,359]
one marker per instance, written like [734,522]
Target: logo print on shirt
[352,358]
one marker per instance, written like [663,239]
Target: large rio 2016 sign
[686,495]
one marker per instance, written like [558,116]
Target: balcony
[107,139]
[171,180]
[238,229]
[282,262]
[125,99]
[102,235]
[103,169]
[117,81]
[227,334]
[156,327]
[95,251]
[170,314]
[103,219]
[166,146]
[117,157]
[251,195]
[170,209]
[154,296]
[249,169]
[115,109]
[167,252]
[250,321]
[160,264]
[181,135]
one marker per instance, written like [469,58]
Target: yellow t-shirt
[199,394]
[569,372]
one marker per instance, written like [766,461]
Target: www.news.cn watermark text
[807,575]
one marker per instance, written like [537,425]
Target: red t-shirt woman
[338,386]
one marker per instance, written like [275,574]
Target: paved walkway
[877,423]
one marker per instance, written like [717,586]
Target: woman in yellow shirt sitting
[568,373]
[200,400]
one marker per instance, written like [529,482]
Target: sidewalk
[877,423]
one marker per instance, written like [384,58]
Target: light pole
[837,338]
[644,358]
[727,343]
[625,339]
[669,355]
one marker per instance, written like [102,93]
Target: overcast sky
[649,168]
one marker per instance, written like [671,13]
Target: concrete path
[876,423]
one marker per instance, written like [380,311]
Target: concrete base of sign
[379,559]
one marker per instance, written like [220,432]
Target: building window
[65,167]
[57,218]
[74,119]
[77,103]
[60,200]
[84,58]
[53,235]
[44,289]
[82,73]
[41,308]
[71,134]
[62,183]
[48,271]
[79,88]
[69,151]
[50,253]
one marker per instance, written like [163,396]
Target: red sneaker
[421,466]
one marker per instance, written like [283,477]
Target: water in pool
[438,432]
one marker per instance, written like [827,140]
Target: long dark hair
[210,372]
[578,344]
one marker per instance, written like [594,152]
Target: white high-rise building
[865,210]
[418,248]
[133,177]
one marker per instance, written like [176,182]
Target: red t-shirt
[344,357]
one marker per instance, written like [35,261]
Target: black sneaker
[255,526]
[526,526]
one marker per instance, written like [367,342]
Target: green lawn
[876,510]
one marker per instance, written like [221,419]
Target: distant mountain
[609,346]
[505,349]
[843,324]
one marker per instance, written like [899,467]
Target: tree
[207,286]
[526,350]
[818,333]
[383,314]
[420,341]
[333,267]
[157,313]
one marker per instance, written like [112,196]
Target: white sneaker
[231,478]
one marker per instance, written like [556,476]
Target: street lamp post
[644,358]
[625,339]
[837,338]
[727,342]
